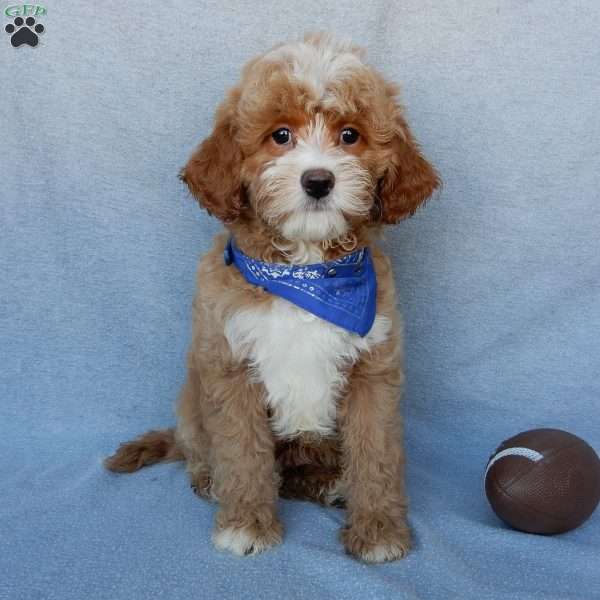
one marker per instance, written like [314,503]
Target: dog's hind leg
[310,470]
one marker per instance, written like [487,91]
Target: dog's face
[313,143]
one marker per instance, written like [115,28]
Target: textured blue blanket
[499,283]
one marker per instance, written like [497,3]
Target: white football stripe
[533,455]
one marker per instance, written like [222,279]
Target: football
[543,481]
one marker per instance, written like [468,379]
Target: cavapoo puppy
[294,372]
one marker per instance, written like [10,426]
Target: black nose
[317,182]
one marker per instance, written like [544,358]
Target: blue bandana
[340,291]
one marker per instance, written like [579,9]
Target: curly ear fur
[409,179]
[213,172]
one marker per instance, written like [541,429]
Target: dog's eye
[282,136]
[349,136]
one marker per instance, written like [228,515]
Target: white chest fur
[300,359]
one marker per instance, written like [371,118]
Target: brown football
[543,481]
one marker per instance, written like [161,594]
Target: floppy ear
[409,179]
[213,172]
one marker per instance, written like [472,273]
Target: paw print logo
[24,32]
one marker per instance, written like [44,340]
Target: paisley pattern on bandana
[342,291]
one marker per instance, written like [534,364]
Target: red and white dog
[297,395]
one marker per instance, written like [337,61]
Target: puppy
[294,372]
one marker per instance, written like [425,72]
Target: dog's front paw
[376,539]
[248,540]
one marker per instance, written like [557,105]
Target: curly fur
[329,430]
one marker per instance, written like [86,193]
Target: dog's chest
[301,360]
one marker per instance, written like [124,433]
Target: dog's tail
[151,448]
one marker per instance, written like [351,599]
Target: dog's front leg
[373,458]
[244,477]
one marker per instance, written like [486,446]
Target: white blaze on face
[300,217]
[318,64]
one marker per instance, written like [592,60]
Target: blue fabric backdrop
[498,281]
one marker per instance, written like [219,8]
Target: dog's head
[312,142]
